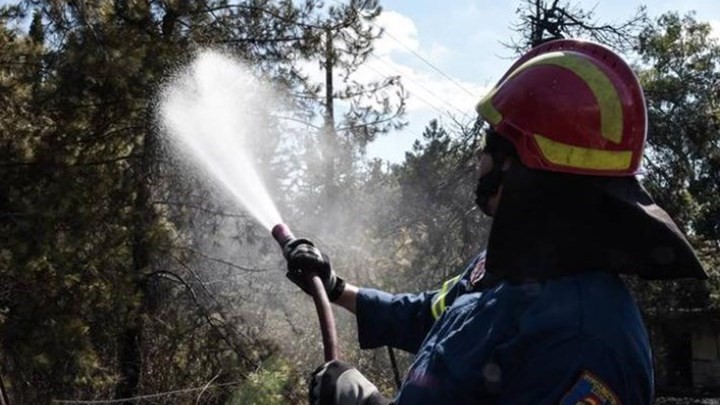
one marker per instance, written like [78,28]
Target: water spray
[284,237]
[208,112]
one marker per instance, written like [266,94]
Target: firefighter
[541,316]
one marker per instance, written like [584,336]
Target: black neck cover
[550,225]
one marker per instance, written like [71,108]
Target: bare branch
[225,262]
[540,22]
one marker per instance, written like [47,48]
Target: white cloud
[715,29]
[440,52]
[400,34]
[429,90]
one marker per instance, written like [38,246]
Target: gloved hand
[339,383]
[302,256]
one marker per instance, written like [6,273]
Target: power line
[427,62]
[418,55]
[430,92]
[431,105]
[419,84]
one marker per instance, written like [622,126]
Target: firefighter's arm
[348,298]
[396,320]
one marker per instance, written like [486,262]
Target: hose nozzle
[282,235]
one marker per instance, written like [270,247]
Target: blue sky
[463,41]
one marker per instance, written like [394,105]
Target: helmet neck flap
[550,225]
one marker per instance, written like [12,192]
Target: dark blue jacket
[563,340]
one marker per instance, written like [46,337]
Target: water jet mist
[209,112]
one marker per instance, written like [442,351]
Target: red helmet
[571,106]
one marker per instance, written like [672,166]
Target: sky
[461,40]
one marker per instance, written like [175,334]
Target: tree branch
[225,262]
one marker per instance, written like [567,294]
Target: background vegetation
[122,279]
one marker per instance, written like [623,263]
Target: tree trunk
[130,354]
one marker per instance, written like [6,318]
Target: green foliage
[681,75]
[103,232]
[275,382]
[681,84]
[438,225]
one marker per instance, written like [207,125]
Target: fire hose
[284,236]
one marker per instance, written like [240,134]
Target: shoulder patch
[590,390]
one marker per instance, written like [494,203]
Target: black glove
[302,256]
[338,383]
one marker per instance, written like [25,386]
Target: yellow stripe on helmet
[583,158]
[487,110]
